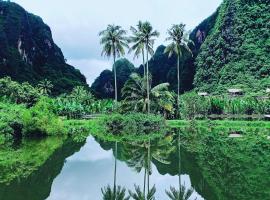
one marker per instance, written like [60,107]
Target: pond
[80,171]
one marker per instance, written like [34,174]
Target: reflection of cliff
[38,185]
[188,166]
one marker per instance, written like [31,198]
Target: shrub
[41,121]
[10,120]
[191,104]
[18,93]
[134,124]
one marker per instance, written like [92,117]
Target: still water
[221,169]
[92,168]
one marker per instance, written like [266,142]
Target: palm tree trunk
[115,80]
[144,71]
[147,78]
[115,167]
[178,84]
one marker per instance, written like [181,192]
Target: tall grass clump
[193,105]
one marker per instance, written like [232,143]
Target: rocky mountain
[28,52]
[103,86]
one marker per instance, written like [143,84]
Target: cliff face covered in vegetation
[28,52]
[236,52]
[103,86]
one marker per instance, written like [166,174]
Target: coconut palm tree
[135,95]
[45,87]
[109,194]
[180,41]
[114,40]
[138,41]
[148,35]
[139,195]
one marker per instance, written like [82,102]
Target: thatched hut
[235,92]
[203,94]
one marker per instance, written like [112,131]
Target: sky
[75,24]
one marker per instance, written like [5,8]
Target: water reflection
[160,168]
[182,193]
[38,185]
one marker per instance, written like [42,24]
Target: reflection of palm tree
[115,168]
[141,154]
[182,194]
[139,195]
[118,194]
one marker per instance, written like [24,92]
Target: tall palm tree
[138,41]
[148,35]
[180,41]
[114,40]
[45,87]
[135,95]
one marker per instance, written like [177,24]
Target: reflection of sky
[86,172]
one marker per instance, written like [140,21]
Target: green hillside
[28,52]
[236,52]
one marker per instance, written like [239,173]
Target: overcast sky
[75,24]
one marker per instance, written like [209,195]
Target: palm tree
[45,86]
[180,41]
[139,195]
[114,41]
[109,194]
[148,35]
[138,41]
[135,95]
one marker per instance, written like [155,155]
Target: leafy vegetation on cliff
[236,52]
[28,52]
